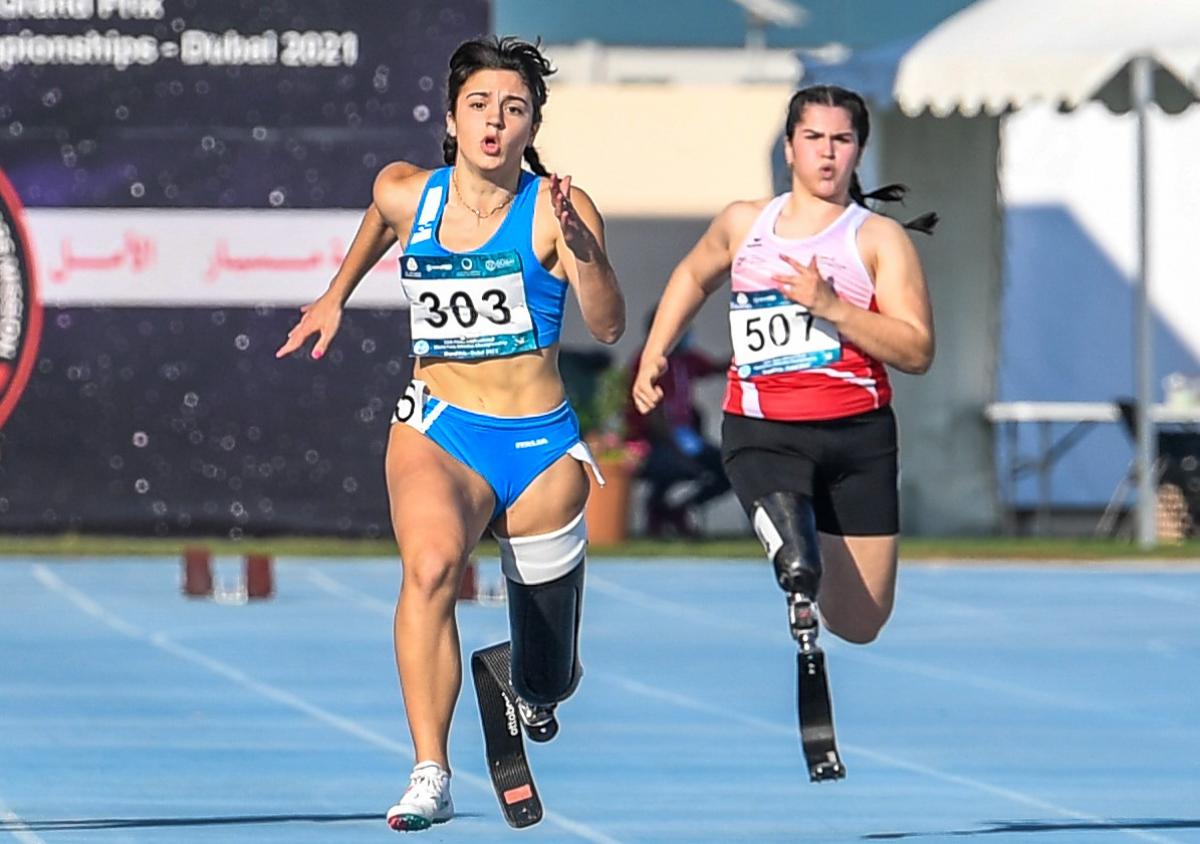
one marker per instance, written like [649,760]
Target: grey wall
[948,475]
[644,251]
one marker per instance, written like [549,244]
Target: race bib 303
[467,306]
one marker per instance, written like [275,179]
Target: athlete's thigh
[859,579]
[859,522]
[552,500]
[762,456]
[859,492]
[438,504]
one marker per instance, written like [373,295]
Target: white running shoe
[427,800]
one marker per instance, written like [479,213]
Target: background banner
[191,172]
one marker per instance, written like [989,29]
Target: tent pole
[1142,85]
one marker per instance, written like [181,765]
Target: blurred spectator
[676,450]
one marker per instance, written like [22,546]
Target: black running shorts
[849,466]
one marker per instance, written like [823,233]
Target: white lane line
[688,702]
[17,828]
[338,589]
[947,607]
[988,684]
[161,641]
[1171,594]
[710,620]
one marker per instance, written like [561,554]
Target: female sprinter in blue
[483,438]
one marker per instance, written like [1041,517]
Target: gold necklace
[479,214]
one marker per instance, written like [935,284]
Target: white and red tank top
[787,364]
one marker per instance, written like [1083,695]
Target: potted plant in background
[601,403]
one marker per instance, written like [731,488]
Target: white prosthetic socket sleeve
[531,560]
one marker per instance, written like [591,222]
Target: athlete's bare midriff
[521,385]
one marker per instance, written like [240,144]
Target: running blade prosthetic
[507,764]
[812,694]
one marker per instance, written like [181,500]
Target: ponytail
[534,162]
[894,192]
[450,150]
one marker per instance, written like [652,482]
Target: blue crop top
[494,301]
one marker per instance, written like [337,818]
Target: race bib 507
[772,334]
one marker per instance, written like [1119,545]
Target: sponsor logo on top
[20,308]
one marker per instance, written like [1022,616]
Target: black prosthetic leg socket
[544,619]
[787,527]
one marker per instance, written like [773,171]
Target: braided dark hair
[495,53]
[853,104]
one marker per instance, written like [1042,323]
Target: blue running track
[1004,703]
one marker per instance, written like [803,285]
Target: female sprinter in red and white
[825,295]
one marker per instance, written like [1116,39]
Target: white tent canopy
[1000,55]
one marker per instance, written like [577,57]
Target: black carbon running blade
[816,717]
[507,764]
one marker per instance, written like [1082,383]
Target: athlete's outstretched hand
[322,318]
[807,287]
[578,236]
[646,392]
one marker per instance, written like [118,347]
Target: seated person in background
[676,450]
